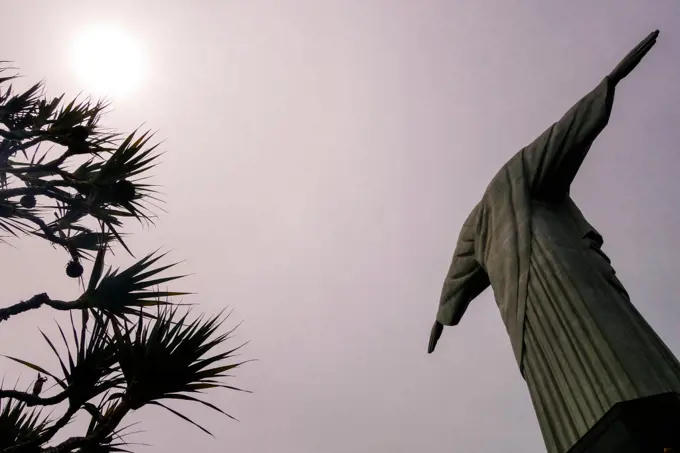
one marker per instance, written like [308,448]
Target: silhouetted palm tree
[65,179]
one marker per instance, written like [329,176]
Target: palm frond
[11,220]
[108,187]
[113,442]
[168,359]
[114,181]
[19,425]
[88,241]
[15,108]
[93,368]
[76,113]
[130,159]
[124,293]
[39,369]
[90,370]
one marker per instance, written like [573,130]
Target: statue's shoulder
[472,217]
[508,175]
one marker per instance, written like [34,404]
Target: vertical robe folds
[579,342]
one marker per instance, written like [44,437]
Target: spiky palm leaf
[12,217]
[87,241]
[90,370]
[67,216]
[167,359]
[18,424]
[131,159]
[109,189]
[31,120]
[159,360]
[78,209]
[14,108]
[120,294]
[73,114]
[112,442]
[82,242]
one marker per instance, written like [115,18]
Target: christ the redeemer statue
[580,344]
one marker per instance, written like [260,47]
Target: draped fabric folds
[579,342]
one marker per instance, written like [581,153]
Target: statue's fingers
[644,47]
[433,341]
[651,37]
[434,336]
[651,40]
[647,43]
[642,50]
[650,43]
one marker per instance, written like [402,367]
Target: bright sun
[108,61]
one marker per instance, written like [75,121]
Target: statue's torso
[574,241]
[585,346]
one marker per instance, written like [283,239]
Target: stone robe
[579,342]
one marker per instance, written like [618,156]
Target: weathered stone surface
[581,345]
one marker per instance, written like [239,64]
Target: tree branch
[45,229]
[35,302]
[50,167]
[17,146]
[63,421]
[99,434]
[39,187]
[16,191]
[31,400]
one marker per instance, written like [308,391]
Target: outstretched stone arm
[465,280]
[554,158]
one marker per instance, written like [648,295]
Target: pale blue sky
[321,156]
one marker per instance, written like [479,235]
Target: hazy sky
[321,156]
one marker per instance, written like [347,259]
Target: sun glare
[108,61]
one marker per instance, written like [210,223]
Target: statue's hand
[434,336]
[633,58]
